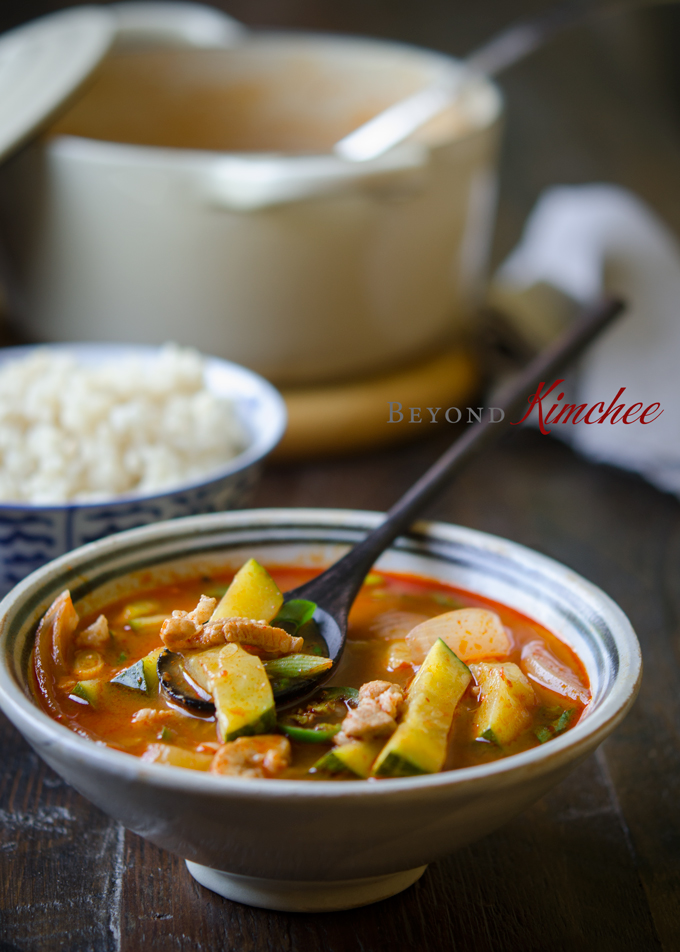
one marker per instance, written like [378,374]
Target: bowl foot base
[301,896]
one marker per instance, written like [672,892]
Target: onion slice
[473,634]
[545,669]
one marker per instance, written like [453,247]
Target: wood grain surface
[596,864]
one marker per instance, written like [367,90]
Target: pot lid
[42,64]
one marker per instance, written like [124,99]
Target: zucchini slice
[145,624]
[357,757]
[559,722]
[142,675]
[506,698]
[253,594]
[240,688]
[418,746]
[91,690]
[143,606]
[150,667]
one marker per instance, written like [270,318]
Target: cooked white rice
[70,432]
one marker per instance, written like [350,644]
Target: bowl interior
[577,612]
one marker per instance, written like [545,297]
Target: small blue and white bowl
[33,534]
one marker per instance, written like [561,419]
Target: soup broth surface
[243,101]
[386,609]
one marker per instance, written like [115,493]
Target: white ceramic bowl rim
[617,638]
[262,443]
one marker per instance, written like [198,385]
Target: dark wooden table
[596,864]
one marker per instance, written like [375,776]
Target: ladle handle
[338,586]
[515,42]
[400,120]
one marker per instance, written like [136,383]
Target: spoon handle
[336,589]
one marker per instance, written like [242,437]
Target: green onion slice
[294,614]
[321,733]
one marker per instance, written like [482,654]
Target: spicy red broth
[389,607]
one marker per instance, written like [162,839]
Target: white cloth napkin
[583,241]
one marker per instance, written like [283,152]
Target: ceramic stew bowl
[32,534]
[325,845]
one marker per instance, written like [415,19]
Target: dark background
[596,864]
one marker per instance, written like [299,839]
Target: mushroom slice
[178,688]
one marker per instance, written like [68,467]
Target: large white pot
[302,267]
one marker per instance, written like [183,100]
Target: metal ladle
[390,127]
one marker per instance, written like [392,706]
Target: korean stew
[432,678]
